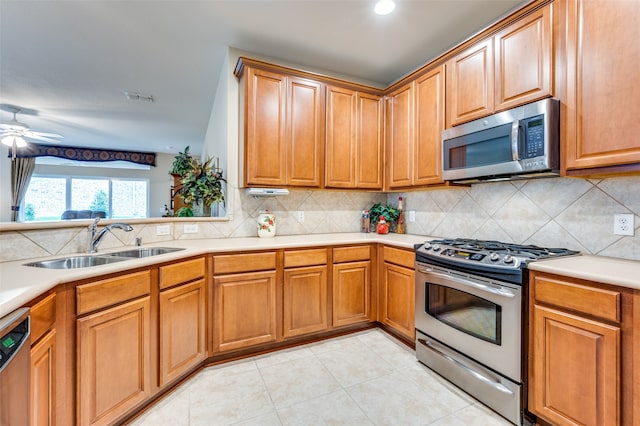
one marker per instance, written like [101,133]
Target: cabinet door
[397,299]
[429,119]
[370,141]
[43,380]
[351,293]
[603,59]
[113,362]
[245,310]
[400,137]
[523,61]
[305,132]
[305,300]
[575,369]
[265,149]
[470,84]
[182,329]
[341,138]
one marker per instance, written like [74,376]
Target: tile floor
[367,378]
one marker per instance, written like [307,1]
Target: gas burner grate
[527,251]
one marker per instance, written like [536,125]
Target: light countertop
[20,284]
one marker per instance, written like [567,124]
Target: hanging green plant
[201,183]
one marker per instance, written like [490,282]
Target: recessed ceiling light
[384,7]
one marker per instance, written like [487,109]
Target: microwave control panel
[534,136]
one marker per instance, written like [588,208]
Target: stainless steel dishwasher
[15,362]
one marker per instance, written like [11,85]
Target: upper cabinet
[511,68]
[602,109]
[284,129]
[354,139]
[415,121]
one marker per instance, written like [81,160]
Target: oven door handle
[496,385]
[498,291]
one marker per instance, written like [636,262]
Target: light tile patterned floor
[367,378]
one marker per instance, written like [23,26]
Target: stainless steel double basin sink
[75,262]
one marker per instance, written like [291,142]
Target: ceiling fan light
[8,140]
[384,7]
[20,142]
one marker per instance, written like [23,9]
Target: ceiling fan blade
[42,138]
[44,134]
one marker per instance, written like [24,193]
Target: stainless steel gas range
[471,317]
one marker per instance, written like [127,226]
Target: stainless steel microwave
[519,143]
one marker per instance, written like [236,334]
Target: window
[49,196]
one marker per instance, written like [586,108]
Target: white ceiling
[70,62]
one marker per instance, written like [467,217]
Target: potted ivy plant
[181,163]
[389,212]
[201,184]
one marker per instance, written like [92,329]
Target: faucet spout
[95,236]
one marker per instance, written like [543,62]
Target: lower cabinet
[182,330]
[575,352]
[351,285]
[114,347]
[397,291]
[43,362]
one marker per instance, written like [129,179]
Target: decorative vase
[200,210]
[266,224]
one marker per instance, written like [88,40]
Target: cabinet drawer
[351,254]
[111,291]
[181,272]
[598,302]
[232,263]
[400,257]
[43,317]
[293,259]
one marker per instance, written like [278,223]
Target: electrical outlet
[163,230]
[623,224]
[412,216]
[301,216]
[191,229]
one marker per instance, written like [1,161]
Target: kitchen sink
[75,262]
[144,252]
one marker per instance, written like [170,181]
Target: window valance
[85,154]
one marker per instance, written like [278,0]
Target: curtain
[21,171]
[86,154]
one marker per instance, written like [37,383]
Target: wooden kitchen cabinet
[512,68]
[415,120]
[43,393]
[182,313]
[244,300]
[114,347]
[304,292]
[284,129]
[575,353]
[352,299]
[354,139]
[397,291]
[601,123]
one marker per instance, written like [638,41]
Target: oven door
[478,317]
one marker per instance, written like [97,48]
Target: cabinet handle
[473,373]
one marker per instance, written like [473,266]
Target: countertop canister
[266,224]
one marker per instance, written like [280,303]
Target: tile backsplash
[560,212]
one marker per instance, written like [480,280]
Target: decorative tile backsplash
[560,212]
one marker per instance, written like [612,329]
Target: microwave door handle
[517,139]
[497,291]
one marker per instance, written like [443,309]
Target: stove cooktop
[485,255]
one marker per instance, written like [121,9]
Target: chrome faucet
[95,237]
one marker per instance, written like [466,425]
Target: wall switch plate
[412,216]
[623,224]
[301,216]
[191,229]
[163,230]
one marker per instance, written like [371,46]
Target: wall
[559,212]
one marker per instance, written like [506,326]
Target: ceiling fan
[14,134]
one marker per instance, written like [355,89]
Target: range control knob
[427,246]
[494,257]
[436,247]
[508,258]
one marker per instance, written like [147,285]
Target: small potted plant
[201,185]
[389,212]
